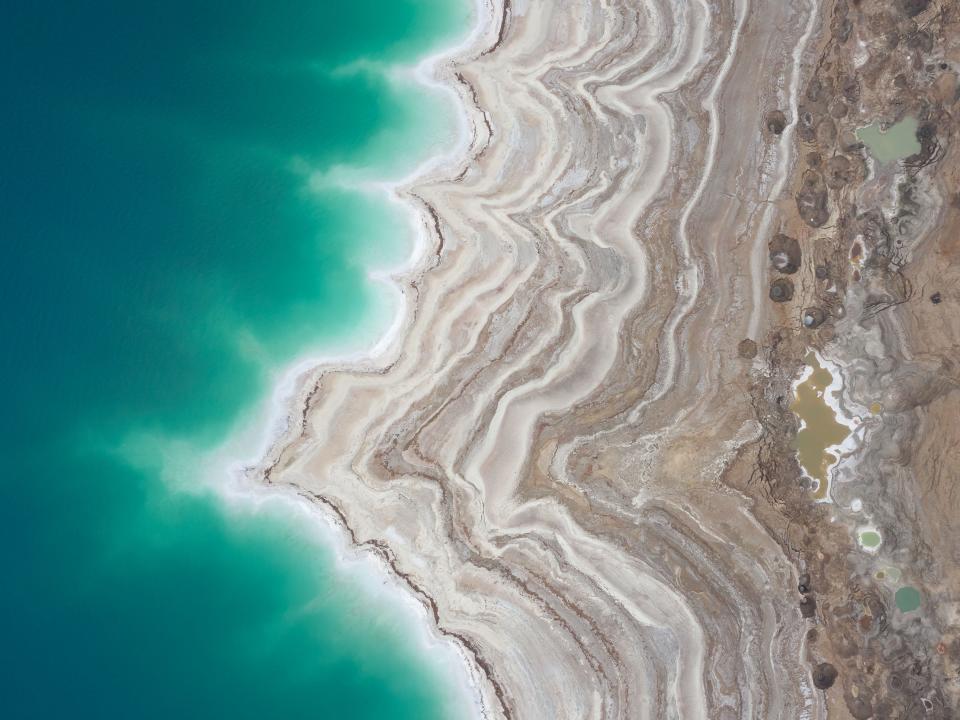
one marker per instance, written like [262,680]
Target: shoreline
[292,380]
[542,451]
[245,486]
[368,571]
[565,265]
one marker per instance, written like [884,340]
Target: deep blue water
[163,254]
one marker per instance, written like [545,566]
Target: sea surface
[173,236]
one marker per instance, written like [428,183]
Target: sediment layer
[577,452]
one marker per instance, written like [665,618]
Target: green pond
[869,539]
[896,142]
[907,599]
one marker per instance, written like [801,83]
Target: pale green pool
[896,142]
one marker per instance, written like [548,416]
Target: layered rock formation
[577,452]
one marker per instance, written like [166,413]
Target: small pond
[895,143]
[821,430]
[907,599]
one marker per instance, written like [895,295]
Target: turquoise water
[163,255]
[907,599]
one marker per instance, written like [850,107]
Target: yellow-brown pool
[821,431]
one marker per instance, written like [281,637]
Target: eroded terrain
[580,452]
[877,227]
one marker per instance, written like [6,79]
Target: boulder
[813,317]
[785,255]
[775,122]
[781,290]
[812,199]
[824,675]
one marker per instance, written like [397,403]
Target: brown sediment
[898,350]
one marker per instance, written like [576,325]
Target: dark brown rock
[781,290]
[812,199]
[785,255]
[840,172]
[920,40]
[808,606]
[747,349]
[775,121]
[881,23]
[841,30]
[837,109]
[806,124]
[813,317]
[826,132]
[912,8]
[824,675]
[850,88]
[936,298]
[858,707]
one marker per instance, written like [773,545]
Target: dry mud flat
[578,452]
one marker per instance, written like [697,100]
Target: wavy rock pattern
[539,455]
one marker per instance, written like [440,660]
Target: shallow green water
[163,256]
[907,599]
[895,143]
